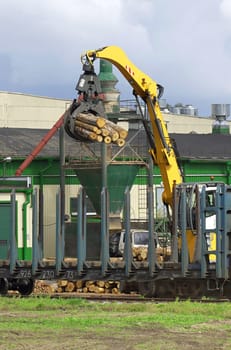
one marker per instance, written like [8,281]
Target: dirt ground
[212,336]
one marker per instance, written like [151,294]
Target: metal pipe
[151,244]
[62,184]
[13,249]
[81,230]
[174,226]
[40,145]
[41,219]
[24,219]
[58,243]
[128,244]
[184,247]
[35,248]
[104,231]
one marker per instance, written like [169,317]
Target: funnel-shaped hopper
[119,176]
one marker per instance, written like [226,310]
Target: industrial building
[203,144]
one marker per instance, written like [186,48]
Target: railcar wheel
[25,286]
[165,288]
[227,289]
[147,289]
[190,288]
[4,285]
[128,287]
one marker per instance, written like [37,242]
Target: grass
[74,324]
[84,315]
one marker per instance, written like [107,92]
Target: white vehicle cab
[139,238]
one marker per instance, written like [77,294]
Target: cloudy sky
[182,44]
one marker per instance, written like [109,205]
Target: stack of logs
[79,286]
[98,129]
[140,253]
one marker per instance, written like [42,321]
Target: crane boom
[161,148]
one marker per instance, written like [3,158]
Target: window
[141,238]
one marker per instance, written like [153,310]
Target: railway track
[131,298]
[123,298]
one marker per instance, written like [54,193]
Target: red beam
[40,146]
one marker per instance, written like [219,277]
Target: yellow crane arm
[162,150]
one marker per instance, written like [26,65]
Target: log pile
[141,254]
[45,287]
[79,286]
[98,129]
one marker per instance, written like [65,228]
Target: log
[79,284]
[62,283]
[107,139]
[140,253]
[100,284]
[111,131]
[91,119]
[89,283]
[117,283]
[121,131]
[86,133]
[104,132]
[88,127]
[51,288]
[107,285]
[99,138]
[99,290]
[70,287]
[92,288]
[115,290]
[120,142]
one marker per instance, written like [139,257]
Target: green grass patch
[72,324]
[36,313]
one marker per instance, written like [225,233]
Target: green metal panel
[47,171]
[119,176]
[5,216]
[24,252]
[202,171]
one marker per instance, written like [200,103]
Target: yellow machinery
[161,147]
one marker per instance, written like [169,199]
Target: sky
[183,45]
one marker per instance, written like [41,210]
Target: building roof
[18,142]
[203,146]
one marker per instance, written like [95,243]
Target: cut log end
[120,142]
[107,139]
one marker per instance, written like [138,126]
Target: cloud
[6,69]
[186,46]
[225,7]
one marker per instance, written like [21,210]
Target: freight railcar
[206,273]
